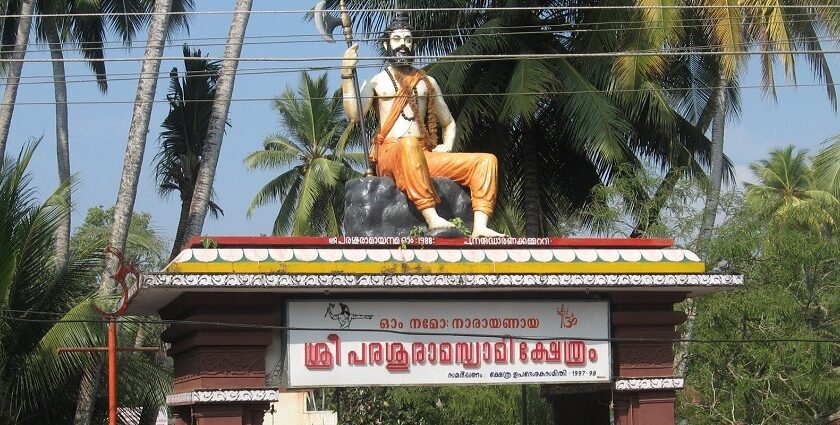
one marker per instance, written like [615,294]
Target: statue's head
[398,41]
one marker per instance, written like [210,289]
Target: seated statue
[411,109]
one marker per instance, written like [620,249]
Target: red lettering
[575,353]
[397,357]
[418,353]
[375,353]
[487,352]
[501,352]
[555,352]
[467,354]
[539,354]
[317,356]
[355,359]
[337,342]
[445,353]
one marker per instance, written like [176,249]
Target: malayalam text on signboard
[365,342]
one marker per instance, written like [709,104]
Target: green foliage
[417,231]
[792,272]
[310,153]
[40,308]
[145,246]
[209,243]
[644,203]
[459,224]
[827,166]
[185,132]
[792,288]
[787,192]
[450,405]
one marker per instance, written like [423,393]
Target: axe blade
[325,22]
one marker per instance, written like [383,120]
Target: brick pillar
[219,371]
[645,385]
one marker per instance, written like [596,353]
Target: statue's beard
[401,56]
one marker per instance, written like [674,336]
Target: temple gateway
[591,320]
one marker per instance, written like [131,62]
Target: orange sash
[400,101]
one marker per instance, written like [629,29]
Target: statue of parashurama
[411,113]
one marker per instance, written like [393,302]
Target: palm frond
[827,166]
[278,188]
[279,152]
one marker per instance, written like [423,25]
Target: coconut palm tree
[786,191]
[768,26]
[40,309]
[310,150]
[185,131]
[16,30]
[87,32]
[82,24]
[133,161]
[144,99]
[218,118]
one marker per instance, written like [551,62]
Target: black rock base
[375,207]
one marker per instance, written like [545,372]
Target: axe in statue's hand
[326,24]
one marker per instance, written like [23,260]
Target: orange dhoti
[412,167]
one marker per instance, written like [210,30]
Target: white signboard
[357,343]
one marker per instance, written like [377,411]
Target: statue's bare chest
[386,89]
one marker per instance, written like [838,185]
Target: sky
[801,116]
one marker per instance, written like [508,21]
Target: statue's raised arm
[351,59]
[412,111]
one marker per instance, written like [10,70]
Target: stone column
[645,388]
[219,370]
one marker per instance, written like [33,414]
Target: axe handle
[358,92]
[347,26]
[346,23]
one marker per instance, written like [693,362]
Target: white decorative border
[167,280]
[221,396]
[438,255]
[640,384]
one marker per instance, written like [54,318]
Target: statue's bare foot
[486,232]
[439,223]
[434,221]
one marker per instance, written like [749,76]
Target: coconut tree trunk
[663,192]
[136,145]
[182,227]
[87,394]
[62,141]
[15,67]
[716,173]
[531,185]
[218,117]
